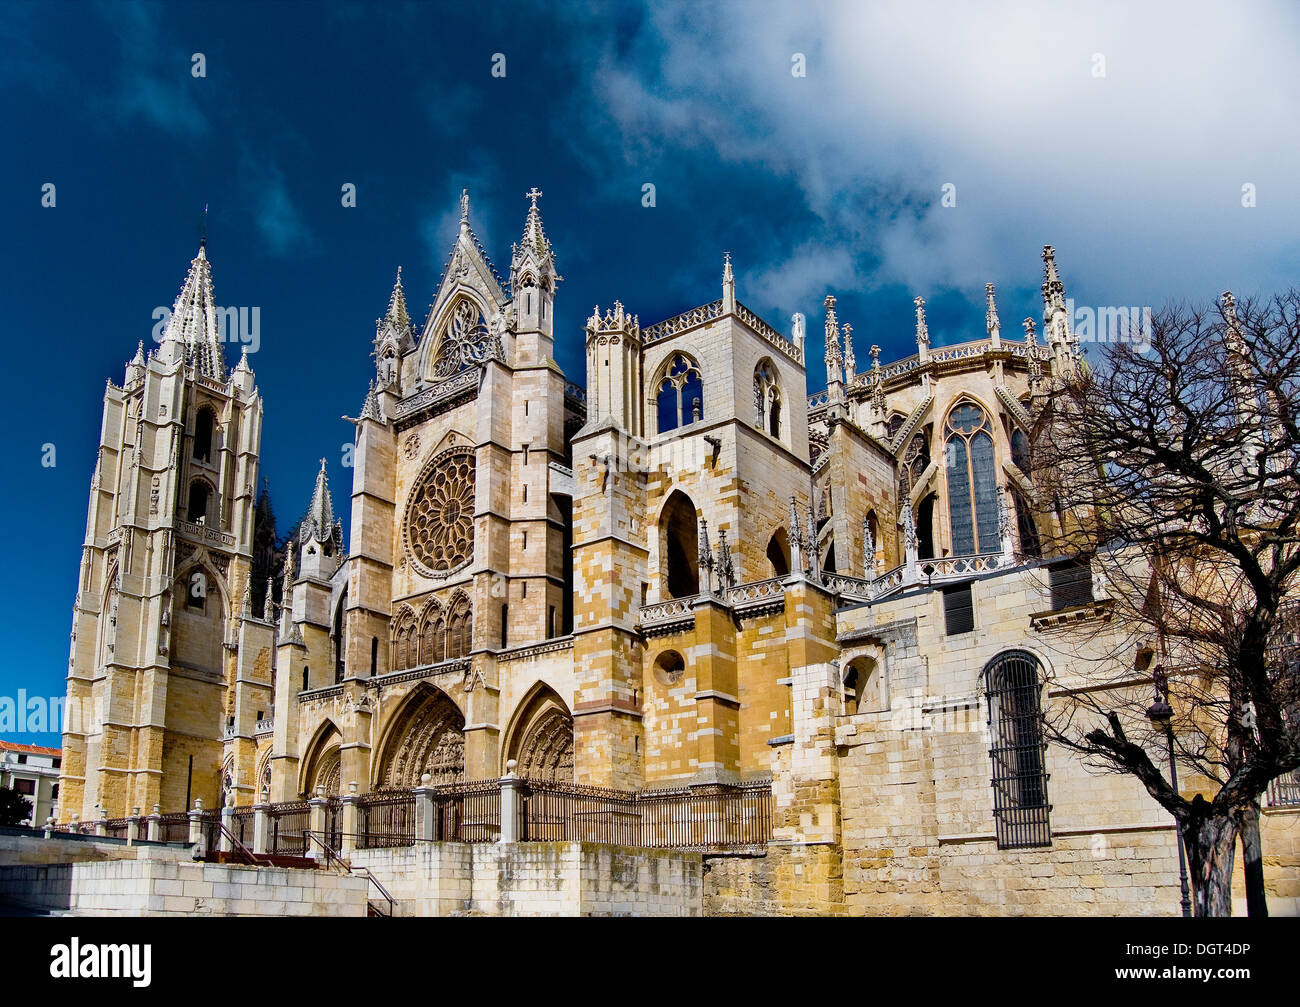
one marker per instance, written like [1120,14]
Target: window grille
[1020,807]
[958,610]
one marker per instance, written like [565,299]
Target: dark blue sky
[829,182]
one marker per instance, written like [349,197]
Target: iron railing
[1285,790]
[715,817]
[385,818]
[288,822]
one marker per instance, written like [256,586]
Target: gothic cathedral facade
[687,571]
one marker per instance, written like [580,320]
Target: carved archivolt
[440,514]
[428,737]
[547,750]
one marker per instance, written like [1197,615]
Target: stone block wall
[538,879]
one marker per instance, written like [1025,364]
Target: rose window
[440,517]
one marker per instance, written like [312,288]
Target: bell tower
[161,677]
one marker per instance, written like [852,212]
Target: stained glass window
[972,482]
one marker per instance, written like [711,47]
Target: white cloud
[1135,177]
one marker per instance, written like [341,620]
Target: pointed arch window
[972,481]
[679,397]
[767,398]
[204,428]
[1013,688]
[459,628]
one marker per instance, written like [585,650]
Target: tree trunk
[1252,853]
[1211,843]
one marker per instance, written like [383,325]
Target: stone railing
[458,384]
[680,323]
[959,567]
[770,334]
[328,692]
[265,726]
[205,534]
[759,591]
[575,392]
[666,612]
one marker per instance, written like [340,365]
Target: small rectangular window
[1071,584]
[505,623]
[958,610]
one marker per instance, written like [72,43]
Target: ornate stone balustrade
[264,726]
[665,614]
[204,534]
[458,384]
[770,334]
[680,323]
[329,692]
[762,595]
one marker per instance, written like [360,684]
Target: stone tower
[168,667]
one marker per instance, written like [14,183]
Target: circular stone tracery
[440,516]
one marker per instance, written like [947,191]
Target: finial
[922,330]
[1031,337]
[850,361]
[203,227]
[533,194]
[991,313]
[464,207]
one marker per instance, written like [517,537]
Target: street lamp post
[1162,714]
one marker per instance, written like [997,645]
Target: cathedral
[679,570]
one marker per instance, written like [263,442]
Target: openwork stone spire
[319,522]
[533,260]
[396,314]
[192,332]
[370,408]
[850,361]
[796,539]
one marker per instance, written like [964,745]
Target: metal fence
[242,825]
[386,818]
[467,812]
[288,822]
[1285,790]
[117,828]
[709,818]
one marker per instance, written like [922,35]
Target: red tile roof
[13,746]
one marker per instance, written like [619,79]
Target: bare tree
[1176,467]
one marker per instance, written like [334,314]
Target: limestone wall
[538,879]
[170,888]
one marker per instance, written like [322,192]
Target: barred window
[1013,686]
[958,610]
[1071,583]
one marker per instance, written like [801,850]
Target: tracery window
[915,460]
[1013,688]
[680,396]
[466,342]
[972,481]
[440,516]
[767,398]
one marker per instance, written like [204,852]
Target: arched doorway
[541,737]
[427,736]
[678,547]
[322,767]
